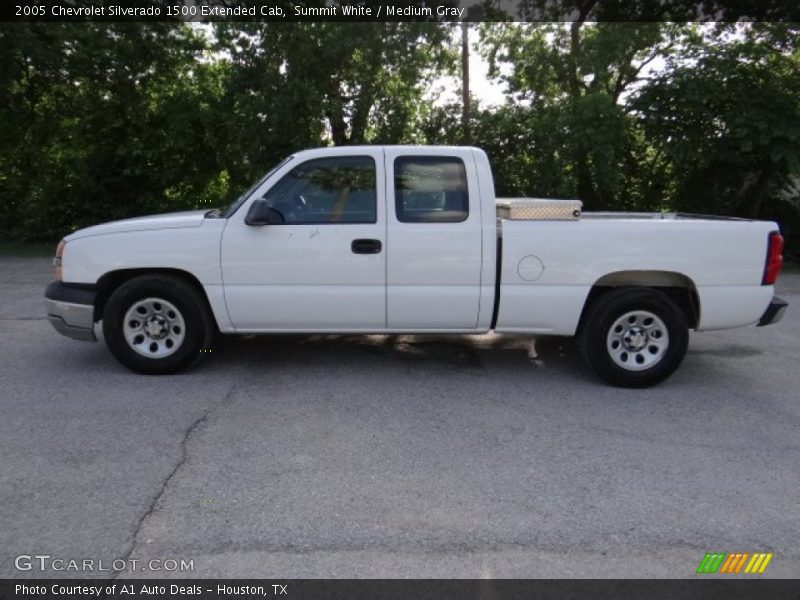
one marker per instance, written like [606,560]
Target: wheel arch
[680,288]
[111,280]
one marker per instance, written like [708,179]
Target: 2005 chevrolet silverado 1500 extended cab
[411,239]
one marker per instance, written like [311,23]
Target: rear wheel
[634,337]
[157,324]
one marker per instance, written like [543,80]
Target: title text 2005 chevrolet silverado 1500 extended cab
[412,239]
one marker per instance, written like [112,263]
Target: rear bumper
[774,312]
[70,309]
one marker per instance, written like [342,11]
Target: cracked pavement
[395,456]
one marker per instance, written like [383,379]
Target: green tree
[108,120]
[103,121]
[727,118]
[293,85]
[575,79]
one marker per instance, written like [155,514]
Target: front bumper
[70,309]
[774,312]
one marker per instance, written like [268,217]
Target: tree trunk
[759,194]
[465,133]
[338,127]
[585,184]
[586,190]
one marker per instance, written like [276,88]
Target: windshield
[234,206]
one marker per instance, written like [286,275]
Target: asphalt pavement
[393,456]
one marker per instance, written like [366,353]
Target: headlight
[58,258]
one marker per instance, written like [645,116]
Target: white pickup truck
[411,239]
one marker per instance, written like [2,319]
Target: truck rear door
[434,239]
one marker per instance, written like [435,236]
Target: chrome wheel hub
[634,339]
[154,328]
[637,340]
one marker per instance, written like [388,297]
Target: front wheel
[156,324]
[634,337]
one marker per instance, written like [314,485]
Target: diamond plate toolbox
[538,209]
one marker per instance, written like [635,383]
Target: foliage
[713,129]
[575,77]
[729,121]
[103,121]
[293,85]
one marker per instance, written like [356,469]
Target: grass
[13,248]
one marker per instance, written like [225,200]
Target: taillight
[774,262]
[58,258]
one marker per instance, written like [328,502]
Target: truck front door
[322,267]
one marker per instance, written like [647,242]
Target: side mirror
[261,213]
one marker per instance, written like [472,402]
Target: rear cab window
[430,189]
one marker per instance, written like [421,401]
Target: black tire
[596,338]
[197,331]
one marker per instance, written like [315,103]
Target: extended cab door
[435,238]
[324,267]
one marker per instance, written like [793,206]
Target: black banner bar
[209,11]
[379,589]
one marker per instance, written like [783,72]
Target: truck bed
[661,216]
[548,263]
